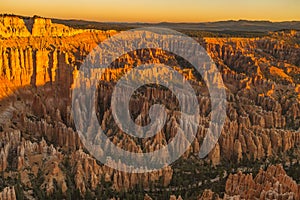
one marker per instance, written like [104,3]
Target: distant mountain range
[219,26]
[240,25]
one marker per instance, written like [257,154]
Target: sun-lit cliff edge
[15,26]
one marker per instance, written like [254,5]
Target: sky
[156,10]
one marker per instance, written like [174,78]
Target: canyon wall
[40,59]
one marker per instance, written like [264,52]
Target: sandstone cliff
[15,26]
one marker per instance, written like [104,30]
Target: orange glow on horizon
[157,10]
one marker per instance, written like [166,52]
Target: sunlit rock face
[273,183]
[41,149]
[14,26]
[8,193]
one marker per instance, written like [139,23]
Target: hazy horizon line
[150,22]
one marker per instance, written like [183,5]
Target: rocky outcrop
[21,154]
[88,175]
[39,157]
[261,115]
[15,26]
[208,195]
[273,183]
[8,194]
